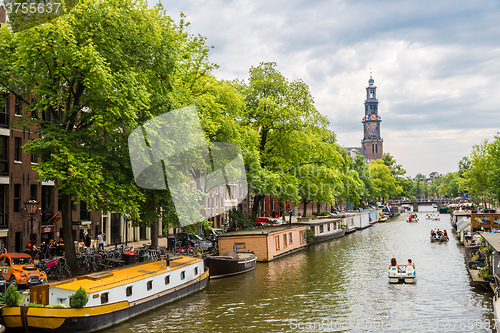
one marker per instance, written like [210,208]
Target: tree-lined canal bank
[340,285]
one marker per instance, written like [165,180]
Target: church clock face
[373,116]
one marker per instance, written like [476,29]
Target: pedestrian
[3,249]
[88,240]
[100,241]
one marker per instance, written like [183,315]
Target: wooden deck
[476,278]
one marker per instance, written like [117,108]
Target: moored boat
[113,296]
[231,263]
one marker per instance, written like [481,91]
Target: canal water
[340,286]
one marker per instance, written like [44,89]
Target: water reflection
[340,285]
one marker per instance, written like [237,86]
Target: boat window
[312,228]
[290,238]
[150,284]
[321,229]
[277,240]
[183,275]
[284,240]
[239,245]
[167,279]
[302,237]
[196,271]
[329,226]
[129,291]
[104,298]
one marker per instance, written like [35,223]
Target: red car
[266,220]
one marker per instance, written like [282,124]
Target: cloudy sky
[436,65]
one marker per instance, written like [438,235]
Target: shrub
[310,236]
[79,299]
[56,306]
[35,305]
[12,296]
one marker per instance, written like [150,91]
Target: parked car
[261,221]
[18,269]
[214,233]
[193,239]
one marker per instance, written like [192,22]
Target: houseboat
[361,219]
[267,243]
[348,223]
[113,296]
[324,229]
[231,263]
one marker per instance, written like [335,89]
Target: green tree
[284,116]
[87,79]
[385,181]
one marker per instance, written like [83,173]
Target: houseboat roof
[100,281]
[314,222]
[259,231]
[493,240]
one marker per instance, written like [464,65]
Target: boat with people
[231,263]
[412,218]
[402,273]
[113,296]
[439,236]
[432,217]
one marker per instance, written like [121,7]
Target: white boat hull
[402,277]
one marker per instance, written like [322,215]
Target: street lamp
[32,208]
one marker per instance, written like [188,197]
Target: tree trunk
[305,206]
[154,233]
[69,247]
[255,207]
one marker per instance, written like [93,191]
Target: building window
[167,279]
[129,291]
[17,197]
[104,298]
[183,275]
[4,163]
[277,240]
[290,238]
[33,191]
[239,246]
[196,271]
[33,158]
[17,149]
[17,106]
[284,241]
[150,284]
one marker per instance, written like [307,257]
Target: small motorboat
[439,238]
[432,217]
[231,263]
[405,274]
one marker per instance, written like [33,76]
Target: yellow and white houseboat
[114,296]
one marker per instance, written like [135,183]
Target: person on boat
[410,263]
[445,234]
[433,233]
[394,265]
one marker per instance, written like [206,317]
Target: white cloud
[436,65]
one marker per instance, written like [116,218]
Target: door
[19,242]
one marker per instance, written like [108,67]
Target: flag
[388,208]
[55,218]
